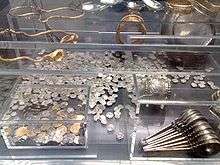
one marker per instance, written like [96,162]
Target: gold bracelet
[56,55]
[73,36]
[187,6]
[137,21]
[180,6]
[45,15]
[205,7]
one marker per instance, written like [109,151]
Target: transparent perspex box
[45,116]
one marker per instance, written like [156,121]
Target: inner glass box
[45,116]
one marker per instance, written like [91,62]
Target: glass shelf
[112,62]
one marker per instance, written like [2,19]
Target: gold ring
[137,21]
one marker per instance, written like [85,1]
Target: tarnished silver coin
[194,85]
[175,80]
[103,119]
[119,136]
[201,85]
[183,81]
[109,115]
[110,127]
[96,117]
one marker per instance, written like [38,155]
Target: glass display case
[122,81]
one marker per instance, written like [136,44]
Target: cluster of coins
[180,78]
[47,134]
[44,115]
[190,132]
[104,89]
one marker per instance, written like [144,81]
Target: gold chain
[56,55]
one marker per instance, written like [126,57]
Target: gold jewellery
[205,7]
[180,6]
[45,15]
[135,19]
[186,6]
[56,55]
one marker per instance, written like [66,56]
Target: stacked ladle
[190,132]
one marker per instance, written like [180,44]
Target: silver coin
[175,81]
[115,89]
[194,85]
[63,104]
[116,108]
[105,97]
[117,115]
[183,81]
[114,95]
[195,77]
[196,81]
[100,111]
[102,101]
[96,117]
[70,110]
[13,114]
[110,127]
[180,68]
[187,77]
[109,103]
[109,115]
[92,104]
[120,106]
[15,107]
[76,140]
[21,102]
[201,85]
[103,119]
[200,78]
[119,136]
[210,83]
[209,69]
[72,96]
[58,138]
[54,94]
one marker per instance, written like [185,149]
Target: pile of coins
[44,115]
[47,134]
[180,78]
[104,89]
[190,132]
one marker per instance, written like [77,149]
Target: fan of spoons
[190,132]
